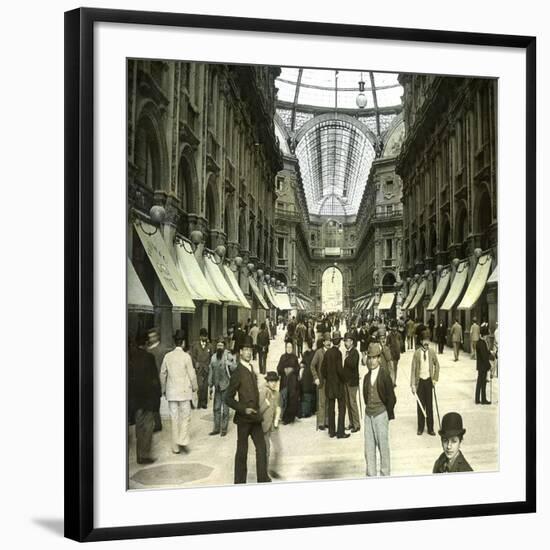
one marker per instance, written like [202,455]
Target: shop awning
[235,287]
[386,301]
[301,306]
[410,296]
[418,296]
[477,283]
[215,278]
[283,301]
[257,293]
[194,278]
[493,279]
[270,298]
[168,273]
[370,304]
[440,290]
[138,300]
[457,286]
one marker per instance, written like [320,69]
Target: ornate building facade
[449,172]
[201,145]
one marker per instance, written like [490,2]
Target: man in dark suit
[333,374]
[351,387]
[244,382]
[143,395]
[158,351]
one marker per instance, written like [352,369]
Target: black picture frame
[79,269]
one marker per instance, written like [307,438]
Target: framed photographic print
[300,274]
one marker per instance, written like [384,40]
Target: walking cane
[436,406]
[421,406]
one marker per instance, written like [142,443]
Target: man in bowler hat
[244,383]
[424,376]
[451,459]
[333,373]
[379,398]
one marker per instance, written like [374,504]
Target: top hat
[374,350]
[336,335]
[451,425]
[349,336]
[420,329]
[203,332]
[484,330]
[247,342]
[326,336]
[179,335]
[271,376]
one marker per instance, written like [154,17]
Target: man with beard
[201,353]
[158,351]
[379,399]
[333,374]
[424,376]
[244,383]
[351,386]
[143,396]
[222,364]
[322,346]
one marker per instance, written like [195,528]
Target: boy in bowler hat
[451,459]
[270,412]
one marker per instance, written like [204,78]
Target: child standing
[270,411]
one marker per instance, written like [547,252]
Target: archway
[332,290]
[187,183]
[388,281]
[211,212]
[461,230]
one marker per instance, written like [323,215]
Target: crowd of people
[316,375]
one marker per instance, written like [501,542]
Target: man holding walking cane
[424,376]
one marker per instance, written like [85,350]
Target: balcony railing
[288,215]
[393,215]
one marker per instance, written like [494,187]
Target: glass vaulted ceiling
[335,155]
[335,158]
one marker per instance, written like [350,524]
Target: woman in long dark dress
[289,389]
[483,365]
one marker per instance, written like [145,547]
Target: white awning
[215,278]
[194,278]
[493,279]
[168,273]
[412,291]
[269,293]
[419,293]
[283,301]
[138,300]
[440,290]
[457,286]
[235,287]
[386,301]
[370,304]
[257,293]
[477,283]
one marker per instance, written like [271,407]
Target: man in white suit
[178,383]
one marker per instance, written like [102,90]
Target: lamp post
[361,99]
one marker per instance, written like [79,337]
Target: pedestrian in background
[457,338]
[483,366]
[351,386]
[474,337]
[254,330]
[222,365]
[307,386]
[270,412]
[178,381]
[441,336]
[158,351]
[201,352]
[262,342]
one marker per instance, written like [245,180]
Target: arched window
[483,219]
[147,155]
[185,190]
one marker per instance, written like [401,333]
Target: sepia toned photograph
[312,274]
